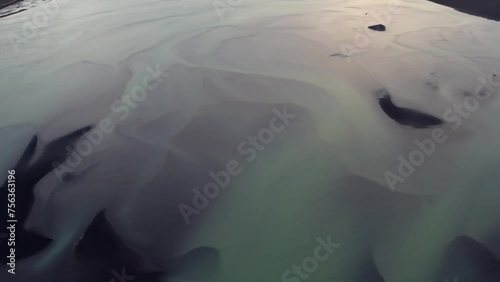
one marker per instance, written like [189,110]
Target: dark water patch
[489,9]
[101,250]
[369,272]
[470,261]
[11,7]
[13,13]
[405,116]
[27,243]
[98,240]
[27,174]
[196,265]
[6,3]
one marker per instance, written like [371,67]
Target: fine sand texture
[284,94]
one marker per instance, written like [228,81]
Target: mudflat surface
[233,74]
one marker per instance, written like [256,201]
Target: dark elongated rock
[377,27]
[405,116]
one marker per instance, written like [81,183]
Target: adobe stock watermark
[121,276]
[31,27]
[89,141]
[363,38]
[321,253]
[427,147]
[248,148]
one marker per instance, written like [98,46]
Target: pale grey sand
[324,175]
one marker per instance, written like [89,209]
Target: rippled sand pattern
[324,175]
